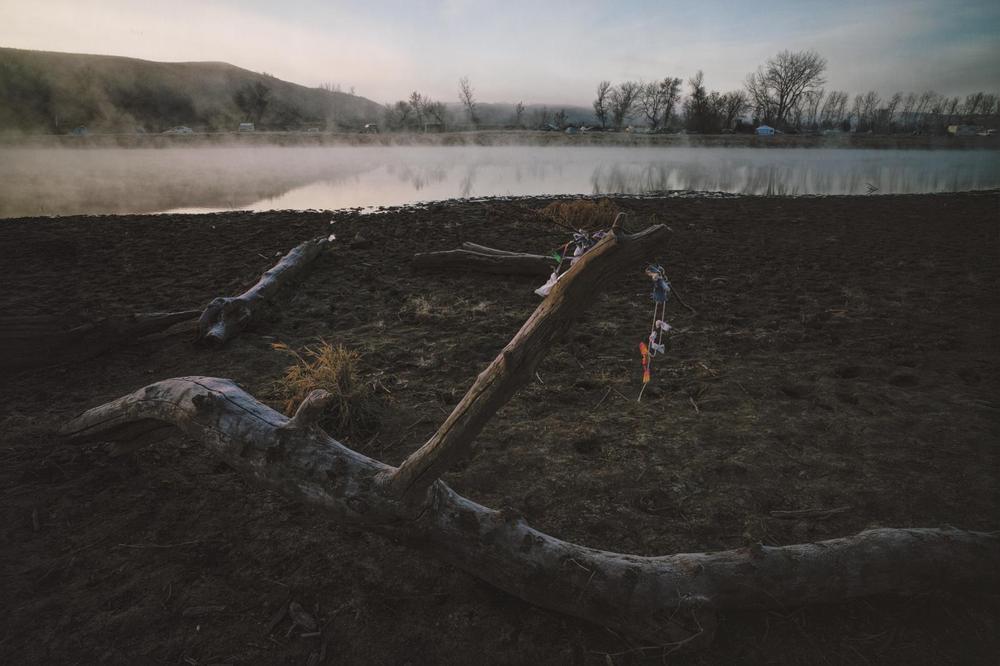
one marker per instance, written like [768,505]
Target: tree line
[786,93]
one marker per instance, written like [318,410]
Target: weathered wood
[226,317]
[516,363]
[475,261]
[32,341]
[662,600]
[483,249]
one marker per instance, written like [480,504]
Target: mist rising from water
[53,181]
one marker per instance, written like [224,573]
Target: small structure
[765,130]
[370,128]
[963,130]
[246,127]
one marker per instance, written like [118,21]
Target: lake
[68,181]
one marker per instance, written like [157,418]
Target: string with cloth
[653,345]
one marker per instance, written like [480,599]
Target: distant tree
[657,99]
[778,86]
[518,114]
[560,119]
[699,107]
[886,117]
[397,116]
[835,109]
[974,105]
[734,105]
[601,103]
[416,103]
[436,112]
[466,95]
[253,99]
[623,99]
[810,106]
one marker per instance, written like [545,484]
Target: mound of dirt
[844,353]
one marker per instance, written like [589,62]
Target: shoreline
[369,212]
[505,137]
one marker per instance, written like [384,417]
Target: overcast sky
[538,52]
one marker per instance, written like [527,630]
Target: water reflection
[68,181]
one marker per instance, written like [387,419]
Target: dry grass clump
[335,369]
[582,213]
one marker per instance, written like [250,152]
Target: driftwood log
[33,341]
[226,317]
[665,600]
[481,259]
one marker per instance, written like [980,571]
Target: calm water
[56,181]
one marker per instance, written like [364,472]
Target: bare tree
[887,115]
[656,101]
[814,98]
[974,106]
[622,100]
[601,103]
[561,119]
[417,104]
[734,105]
[435,112]
[518,114]
[779,85]
[698,107]
[466,95]
[835,109]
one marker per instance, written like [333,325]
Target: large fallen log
[226,317]
[661,600]
[670,599]
[481,259]
[28,341]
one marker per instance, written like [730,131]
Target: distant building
[765,130]
[963,130]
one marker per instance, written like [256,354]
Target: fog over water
[61,181]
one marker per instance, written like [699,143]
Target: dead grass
[337,370]
[582,213]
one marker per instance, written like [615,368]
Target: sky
[535,52]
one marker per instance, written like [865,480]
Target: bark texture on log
[33,341]
[516,363]
[662,600]
[481,259]
[226,317]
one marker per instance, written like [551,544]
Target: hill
[47,92]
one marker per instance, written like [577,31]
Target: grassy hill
[46,92]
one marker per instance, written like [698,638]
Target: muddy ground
[844,354]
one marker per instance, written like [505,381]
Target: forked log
[33,341]
[481,259]
[225,317]
[669,599]
[516,363]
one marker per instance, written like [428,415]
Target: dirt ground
[844,354]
